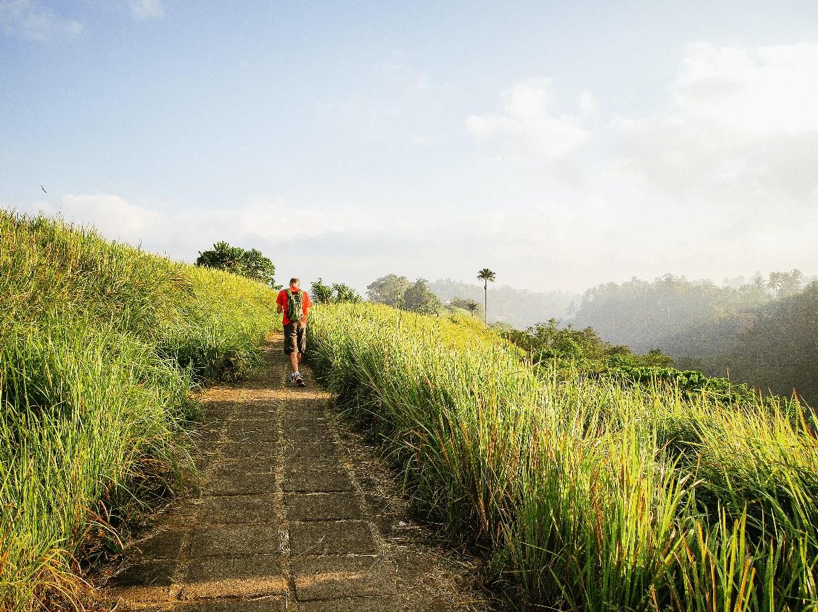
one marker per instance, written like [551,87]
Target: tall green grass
[586,494]
[100,345]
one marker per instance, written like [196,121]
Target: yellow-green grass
[586,494]
[100,345]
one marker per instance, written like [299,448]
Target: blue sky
[560,144]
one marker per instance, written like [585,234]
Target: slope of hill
[100,345]
[587,494]
[757,338]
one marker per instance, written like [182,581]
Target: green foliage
[471,306]
[338,293]
[486,276]
[251,264]
[586,493]
[582,348]
[388,290]
[399,292]
[785,284]
[419,298]
[780,351]
[100,345]
[574,350]
[768,343]
[679,316]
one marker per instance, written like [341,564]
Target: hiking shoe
[300,381]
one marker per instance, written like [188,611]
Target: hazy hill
[518,307]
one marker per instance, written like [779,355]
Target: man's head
[295,282]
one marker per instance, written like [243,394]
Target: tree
[321,293]
[251,264]
[254,265]
[336,294]
[419,298]
[221,257]
[388,290]
[466,304]
[345,293]
[785,284]
[486,276]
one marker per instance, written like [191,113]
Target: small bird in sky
[43,188]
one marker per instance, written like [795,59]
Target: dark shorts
[295,340]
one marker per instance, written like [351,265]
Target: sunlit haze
[561,144]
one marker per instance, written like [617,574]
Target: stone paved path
[282,522]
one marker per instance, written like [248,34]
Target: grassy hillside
[100,345]
[587,494]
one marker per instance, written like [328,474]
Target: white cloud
[29,19]
[181,233]
[739,133]
[528,126]
[764,89]
[145,9]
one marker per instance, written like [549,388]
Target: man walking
[295,304]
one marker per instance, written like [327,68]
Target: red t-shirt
[306,304]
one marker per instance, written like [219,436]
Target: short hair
[295,281]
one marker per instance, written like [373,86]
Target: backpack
[295,306]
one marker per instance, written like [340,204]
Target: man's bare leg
[294,359]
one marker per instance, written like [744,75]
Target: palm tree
[486,275]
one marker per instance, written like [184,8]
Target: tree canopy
[420,298]
[250,263]
[388,290]
[400,292]
[336,293]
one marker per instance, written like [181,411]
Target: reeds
[586,494]
[100,345]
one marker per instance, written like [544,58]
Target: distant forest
[517,307]
[764,332]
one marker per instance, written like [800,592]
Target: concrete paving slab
[250,432]
[235,540]
[354,604]
[213,577]
[238,450]
[146,581]
[250,465]
[331,538]
[295,453]
[322,506]
[245,484]
[301,419]
[308,435]
[165,544]
[316,480]
[259,605]
[341,577]
[244,509]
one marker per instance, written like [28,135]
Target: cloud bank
[528,127]
[722,180]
